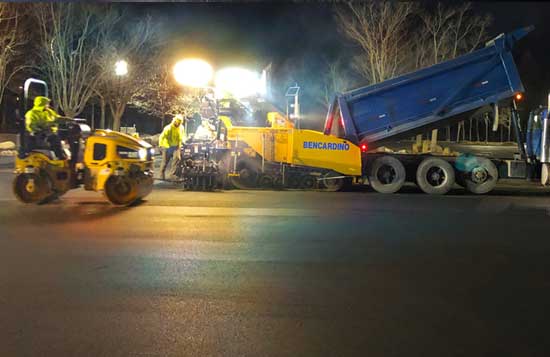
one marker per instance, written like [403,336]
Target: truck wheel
[293,181]
[308,182]
[387,174]
[482,175]
[332,185]
[265,181]
[32,188]
[278,182]
[121,190]
[246,180]
[435,176]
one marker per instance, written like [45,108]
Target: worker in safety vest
[170,143]
[41,123]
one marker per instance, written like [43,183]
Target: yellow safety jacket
[170,136]
[40,118]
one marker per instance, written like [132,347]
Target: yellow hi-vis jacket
[171,135]
[40,118]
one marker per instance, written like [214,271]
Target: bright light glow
[142,154]
[519,96]
[193,73]
[121,68]
[263,84]
[364,147]
[239,82]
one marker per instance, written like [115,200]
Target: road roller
[117,164]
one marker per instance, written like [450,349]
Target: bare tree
[134,43]
[12,40]
[395,37]
[469,30]
[156,98]
[335,79]
[70,36]
[381,29]
[163,97]
[438,26]
[99,98]
[450,32]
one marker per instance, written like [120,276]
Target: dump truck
[427,99]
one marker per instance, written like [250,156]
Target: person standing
[170,143]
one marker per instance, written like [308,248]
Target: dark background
[254,34]
[289,35]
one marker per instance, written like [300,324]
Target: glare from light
[121,68]
[239,82]
[142,154]
[263,84]
[193,73]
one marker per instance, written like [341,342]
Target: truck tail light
[364,147]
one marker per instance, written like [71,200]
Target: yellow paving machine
[274,154]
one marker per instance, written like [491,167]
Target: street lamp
[121,68]
[193,73]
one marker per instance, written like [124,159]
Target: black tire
[435,176]
[265,181]
[308,182]
[144,185]
[293,181]
[121,190]
[387,174]
[247,179]
[278,182]
[331,185]
[32,188]
[481,176]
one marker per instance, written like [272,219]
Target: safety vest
[170,136]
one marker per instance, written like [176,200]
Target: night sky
[255,34]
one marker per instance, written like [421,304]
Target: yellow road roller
[117,164]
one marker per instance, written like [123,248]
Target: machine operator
[41,123]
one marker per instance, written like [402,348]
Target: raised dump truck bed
[427,97]
[431,98]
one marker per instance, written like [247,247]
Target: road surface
[251,273]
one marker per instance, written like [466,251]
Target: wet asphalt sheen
[252,273]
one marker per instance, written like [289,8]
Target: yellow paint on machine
[101,168]
[313,148]
[298,147]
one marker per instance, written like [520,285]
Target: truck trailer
[431,98]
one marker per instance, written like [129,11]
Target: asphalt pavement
[267,273]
